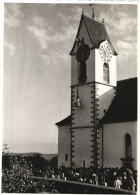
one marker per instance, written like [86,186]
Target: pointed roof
[96,31]
[64,122]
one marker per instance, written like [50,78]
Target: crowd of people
[121,178]
[19,171]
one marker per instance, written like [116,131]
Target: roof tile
[124,106]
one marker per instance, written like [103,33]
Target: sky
[37,66]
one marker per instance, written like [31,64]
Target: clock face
[83,53]
[105,52]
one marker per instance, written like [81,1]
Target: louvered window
[106,73]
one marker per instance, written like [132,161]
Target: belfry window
[106,72]
[66,157]
[128,147]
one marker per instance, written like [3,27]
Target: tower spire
[93,14]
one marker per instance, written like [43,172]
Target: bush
[18,172]
[54,162]
[39,165]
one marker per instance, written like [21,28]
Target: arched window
[127,161]
[128,146]
[106,72]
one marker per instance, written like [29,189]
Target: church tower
[102,127]
[93,87]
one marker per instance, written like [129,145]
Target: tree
[54,162]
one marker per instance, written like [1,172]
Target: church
[102,127]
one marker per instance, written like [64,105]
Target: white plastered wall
[64,146]
[105,95]
[82,115]
[114,143]
[99,69]
[89,63]
[82,147]
[105,92]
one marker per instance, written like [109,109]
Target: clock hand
[104,52]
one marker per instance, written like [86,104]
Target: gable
[95,31]
[82,32]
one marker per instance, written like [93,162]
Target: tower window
[66,157]
[82,73]
[84,163]
[128,147]
[106,72]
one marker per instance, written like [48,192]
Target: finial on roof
[82,11]
[93,14]
[103,20]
